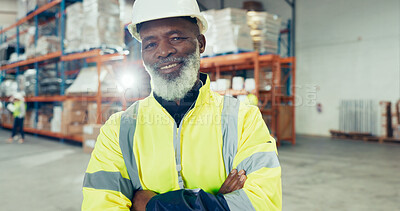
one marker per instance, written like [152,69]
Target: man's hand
[141,198]
[234,181]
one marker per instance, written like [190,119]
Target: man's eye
[177,38]
[148,46]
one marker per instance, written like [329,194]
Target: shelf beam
[48,133]
[82,55]
[31,61]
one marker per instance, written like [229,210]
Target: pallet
[382,139]
[349,135]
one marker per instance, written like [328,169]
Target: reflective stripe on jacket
[143,148]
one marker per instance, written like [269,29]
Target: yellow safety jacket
[143,148]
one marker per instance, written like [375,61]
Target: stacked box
[265,29]
[29,119]
[228,31]
[90,133]
[43,122]
[210,33]
[102,25]
[55,122]
[106,111]
[74,28]
[74,116]
[7,117]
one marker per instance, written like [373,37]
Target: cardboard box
[88,145]
[74,105]
[72,116]
[285,122]
[90,133]
[92,113]
[75,129]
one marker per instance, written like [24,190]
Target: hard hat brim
[201,22]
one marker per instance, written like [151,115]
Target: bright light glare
[127,80]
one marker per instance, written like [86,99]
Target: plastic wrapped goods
[102,25]
[265,29]
[8,88]
[26,6]
[83,86]
[30,82]
[228,31]
[47,44]
[74,28]
[210,33]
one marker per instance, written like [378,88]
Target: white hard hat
[18,96]
[147,10]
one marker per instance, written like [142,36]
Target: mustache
[168,60]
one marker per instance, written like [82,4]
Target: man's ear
[202,42]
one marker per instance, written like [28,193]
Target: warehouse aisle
[40,174]
[322,174]
[318,174]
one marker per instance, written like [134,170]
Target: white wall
[348,50]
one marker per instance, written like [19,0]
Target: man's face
[166,42]
[171,54]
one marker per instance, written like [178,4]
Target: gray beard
[175,86]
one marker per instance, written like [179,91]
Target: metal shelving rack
[93,56]
[283,72]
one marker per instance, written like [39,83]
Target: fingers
[234,181]
[238,182]
[225,186]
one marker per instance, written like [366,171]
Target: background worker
[18,108]
[183,147]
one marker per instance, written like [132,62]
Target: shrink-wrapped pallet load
[74,28]
[102,25]
[228,32]
[265,29]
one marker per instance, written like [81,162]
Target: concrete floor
[317,174]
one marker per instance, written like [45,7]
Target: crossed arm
[107,181]
[234,181]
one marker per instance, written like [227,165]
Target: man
[184,147]
[18,108]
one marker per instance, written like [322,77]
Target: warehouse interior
[325,76]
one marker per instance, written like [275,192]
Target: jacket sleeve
[186,199]
[107,185]
[258,156]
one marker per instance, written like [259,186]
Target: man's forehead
[179,24]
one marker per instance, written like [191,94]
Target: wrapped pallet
[84,87]
[74,28]
[231,32]
[102,25]
[210,33]
[8,88]
[47,44]
[265,29]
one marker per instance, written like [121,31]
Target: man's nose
[165,49]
